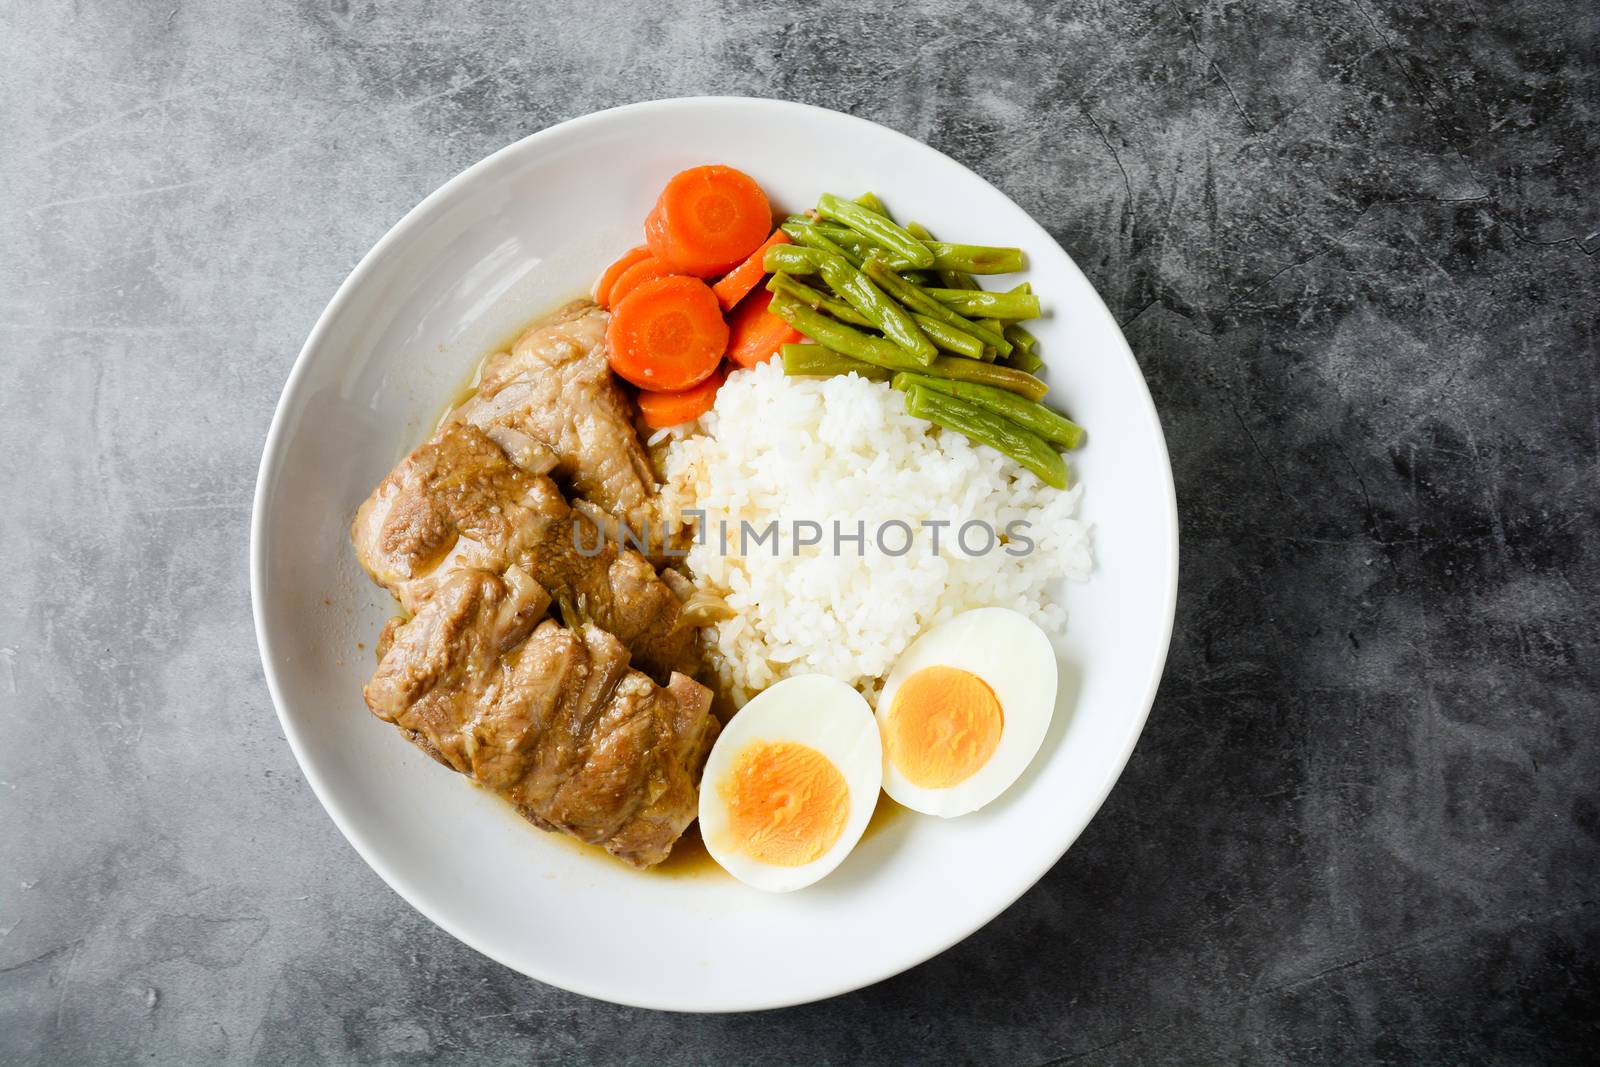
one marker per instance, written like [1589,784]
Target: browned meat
[552,719]
[555,387]
[459,501]
[476,539]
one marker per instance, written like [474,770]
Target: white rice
[844,449]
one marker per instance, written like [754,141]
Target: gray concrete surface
[1356,246]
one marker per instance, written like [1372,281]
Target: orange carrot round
[667,334]
[707,220]
[647,269]
[755,334]
[669,409]
[737,283]
[602,288]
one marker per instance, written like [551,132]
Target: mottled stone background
[1356,247]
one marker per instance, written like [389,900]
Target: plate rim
[275,445]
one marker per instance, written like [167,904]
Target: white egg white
[814,710]
[1013,656]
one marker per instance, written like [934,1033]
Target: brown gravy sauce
[689,858]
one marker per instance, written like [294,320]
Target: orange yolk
[944,724]
[787,802]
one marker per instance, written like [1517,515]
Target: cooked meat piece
[555,387]
[552,719]
[459,501]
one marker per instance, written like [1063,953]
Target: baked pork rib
[554,386]
[460,501]
[477,541]
[552,719]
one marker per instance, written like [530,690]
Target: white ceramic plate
[507,239]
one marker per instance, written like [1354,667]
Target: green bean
[973,259]
[877,227]
[950,279]
[806,235]
[859,246]
[1024,359]
[1014,332]
[970,370]
[917,300]
[977,259]
[870,201]
[896,324]
[819,361]
[986,428]
[989,305]
[1019,337]
[837,232]
[957,279]
[994,326]
[1029,414]
[846,339]
[875,350]
[942,334]
[788,285]
[789,259]
[951,339]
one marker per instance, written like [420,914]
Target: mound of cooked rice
[844,450]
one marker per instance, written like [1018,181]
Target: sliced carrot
[754,333]
[667,334]
[737,283]
[647,269]
[668,409]
[707,220]
[602,288]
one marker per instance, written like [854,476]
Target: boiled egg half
[790,785]
[965,710]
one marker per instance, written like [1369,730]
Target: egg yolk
[787,802]
[944,724]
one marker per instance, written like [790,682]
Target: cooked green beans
[988,305]
[1020,338]
[789,285]
[875,350]
[918,300]
[819,361]
[977,259]
[1023,343]
[957,279]
[993,326]
[895,322]
[870,224]
[846,339]
[789,259]
[1030,415]
[971,370]
[950,279]
[867,298]
[951,339]
[919,294]
[807,234]
[870,201]
[1024,360]
[986,428]
[954,258]
[942,334]
[860,248]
